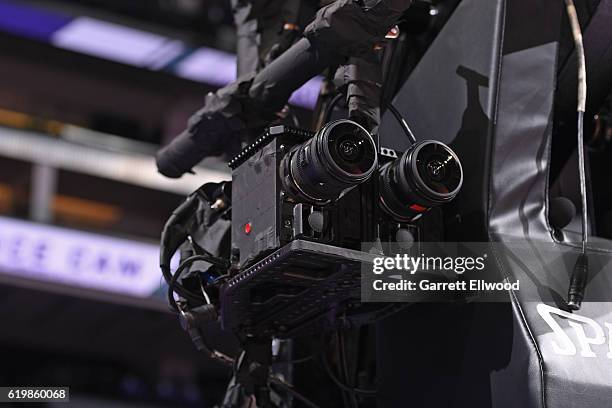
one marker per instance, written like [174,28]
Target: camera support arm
[250,385]
[339,31]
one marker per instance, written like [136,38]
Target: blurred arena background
[88,92]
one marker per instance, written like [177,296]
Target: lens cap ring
[450,163]
[362,140]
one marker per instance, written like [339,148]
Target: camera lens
[427,175]
[340,156]
[352,150]
[439,168]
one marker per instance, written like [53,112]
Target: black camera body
[304,204]
[267,212]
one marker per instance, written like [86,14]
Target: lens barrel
[426,175]
[340,156]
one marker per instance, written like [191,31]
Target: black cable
[582,171]
[580,273]
[294,118]
[342,352]
[304,359]
[365,393]
[340,384]
[182,291]
[402,123]
[330,107]
[345,367]
[290,389]
[298,360]
[197,337]
[174,286]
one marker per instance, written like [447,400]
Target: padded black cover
[486,87]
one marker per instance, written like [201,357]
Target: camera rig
[279,251]
[302,206]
